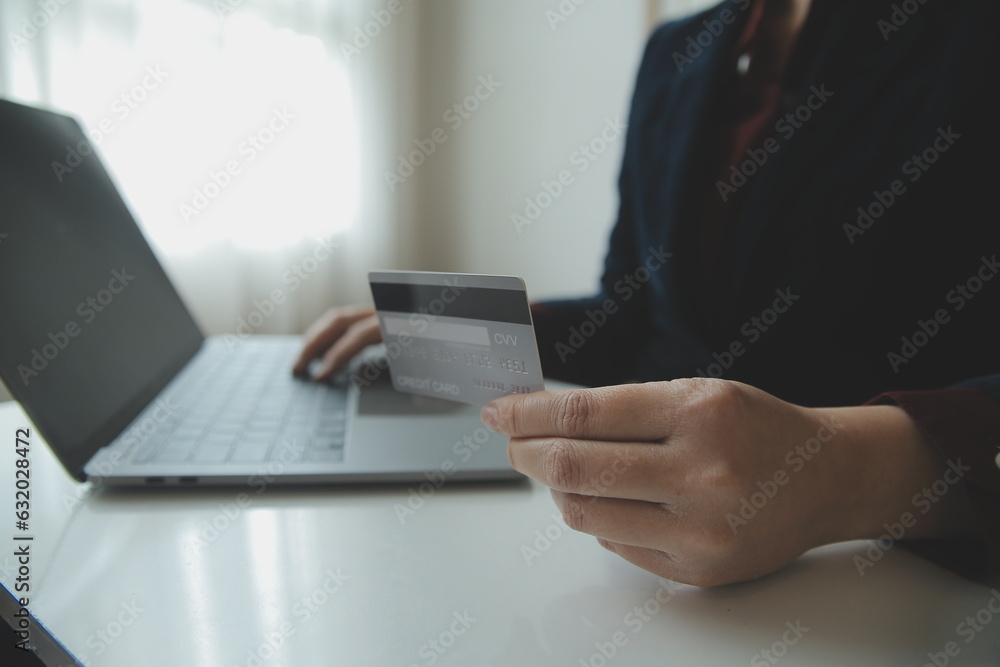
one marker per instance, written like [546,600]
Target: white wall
[561,83]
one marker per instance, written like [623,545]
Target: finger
[324,333]
[359,336]
[624,412]
[660,563]
[676,567]
[632,522]
[633,470]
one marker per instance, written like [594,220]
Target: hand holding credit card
[462,337]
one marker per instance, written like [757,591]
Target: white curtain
[246,135]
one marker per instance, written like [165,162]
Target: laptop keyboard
[242,406]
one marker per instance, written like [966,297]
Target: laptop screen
[90,327]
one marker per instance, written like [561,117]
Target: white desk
[121,579]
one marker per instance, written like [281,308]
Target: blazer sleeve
[963,424]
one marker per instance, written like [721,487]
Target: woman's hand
[336,337]
[710,482]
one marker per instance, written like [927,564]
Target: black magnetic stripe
[477,303]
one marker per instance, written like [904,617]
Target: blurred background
[294,145]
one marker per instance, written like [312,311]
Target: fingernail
[490,418]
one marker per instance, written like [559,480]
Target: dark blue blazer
[901,294]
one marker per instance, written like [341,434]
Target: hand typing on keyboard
[244,408]
[335,338]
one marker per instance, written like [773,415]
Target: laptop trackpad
[399,432]
[384,400]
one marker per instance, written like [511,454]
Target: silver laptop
[107,361]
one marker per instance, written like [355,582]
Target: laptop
[102,354]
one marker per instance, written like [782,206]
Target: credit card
[457,336]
